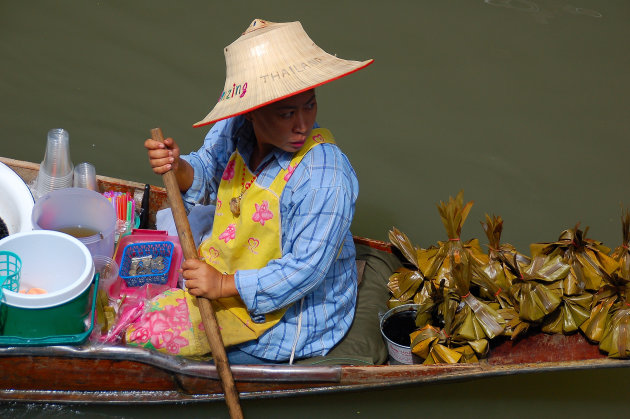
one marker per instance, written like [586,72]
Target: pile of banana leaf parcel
[467,296]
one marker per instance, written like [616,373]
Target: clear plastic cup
[56,170]
[57,162]
[85,176]
[46,183]
[107,268]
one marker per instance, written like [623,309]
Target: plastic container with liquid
[82,213]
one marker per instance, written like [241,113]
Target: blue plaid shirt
[318,254]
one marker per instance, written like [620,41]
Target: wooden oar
[207,312]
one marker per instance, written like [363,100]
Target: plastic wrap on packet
[171,323]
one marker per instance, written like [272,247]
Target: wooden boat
[86,373]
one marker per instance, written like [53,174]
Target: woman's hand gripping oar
[207,312]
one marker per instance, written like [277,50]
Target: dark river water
[521,104]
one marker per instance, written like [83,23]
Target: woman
[279,262]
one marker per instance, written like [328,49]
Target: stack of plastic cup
[56,170]
[85,176]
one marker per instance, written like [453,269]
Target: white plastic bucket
[54,261]
[62,266]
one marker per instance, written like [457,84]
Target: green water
[522,104]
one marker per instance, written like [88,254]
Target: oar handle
[207,312]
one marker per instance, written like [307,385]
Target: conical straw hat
[272,61]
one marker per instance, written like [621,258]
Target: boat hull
[118,374]
[137,376]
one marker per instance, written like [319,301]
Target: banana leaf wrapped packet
[435,262]
[468,323]
[538,287]
[435,346]
[501,256]
[609,323]
[501,272]
[622,253]
[616,340]
[610,298]
[588,259]
[542,298]
[572,313]
[609,315]
[589,264]
[474,319]
[455,323]
[407,285]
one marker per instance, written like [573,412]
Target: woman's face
[285,124]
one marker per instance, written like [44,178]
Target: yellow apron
[250,240]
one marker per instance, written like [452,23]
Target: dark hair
[246,131]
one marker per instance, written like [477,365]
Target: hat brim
[212,117]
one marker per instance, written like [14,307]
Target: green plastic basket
[10,268]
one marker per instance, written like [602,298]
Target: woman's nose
[300,122]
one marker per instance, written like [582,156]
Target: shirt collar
[283,157]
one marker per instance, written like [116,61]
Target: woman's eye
[286,115]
